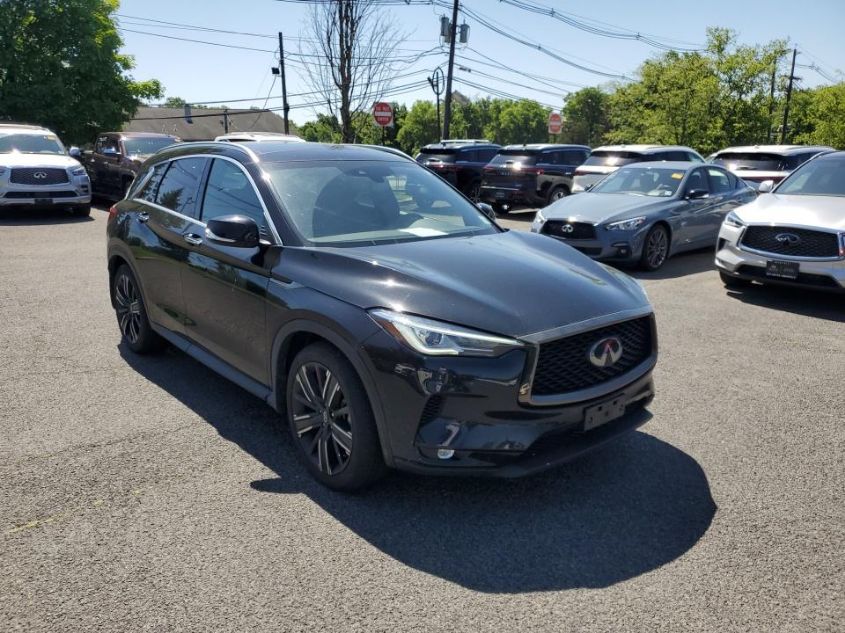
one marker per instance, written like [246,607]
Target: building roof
[207,122]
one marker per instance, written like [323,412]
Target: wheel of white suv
[331,420]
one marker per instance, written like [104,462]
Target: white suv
[36,171]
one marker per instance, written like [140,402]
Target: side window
[467,156]
[109,146]
[229,192]
[573,157]
[697,180]
[693,157]
[98,147]
[486,155]
[719,182]
[548,158]
[178,188]
[150,189]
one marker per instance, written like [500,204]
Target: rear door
[225,288]
[166,207]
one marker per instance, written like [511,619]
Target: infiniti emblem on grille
[787,239]
[567,228]
[41,175]
[606,352]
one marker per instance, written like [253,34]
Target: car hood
[826,212]
[510,283]
[597,208]
[37,160]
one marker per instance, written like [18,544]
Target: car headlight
[732,219]
[78,171]
[434,338]
[626,225]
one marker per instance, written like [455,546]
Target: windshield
[30,144]
[612,159]
[642,181]
[357,203]
[757,161]
[821,177]
[514,159]
[146,145]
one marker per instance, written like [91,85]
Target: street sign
[555,122]
[383,113]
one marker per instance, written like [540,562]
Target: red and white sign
[383,113]
[555,122]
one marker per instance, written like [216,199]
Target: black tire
[473,192]
[82,211]
[135,329]
[331,421]
[557,193]
[655,248]
[733,282]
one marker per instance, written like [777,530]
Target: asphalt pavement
[149,494]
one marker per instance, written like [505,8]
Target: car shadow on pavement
[34,217]
[680,265]
[806,302]
[615,514]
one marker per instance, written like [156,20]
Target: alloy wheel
[656,248]
[321,418]
[128,305]
[558,194]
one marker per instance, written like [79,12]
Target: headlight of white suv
[435,338]
[78,171]
[732,219]
[626,225]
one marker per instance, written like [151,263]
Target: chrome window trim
[526,385]
[271,225]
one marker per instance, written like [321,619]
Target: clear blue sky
[202,72]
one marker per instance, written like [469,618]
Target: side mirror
[766,186]
[236,231]
[697,194]
[589,187]
[487,210]
[74,152]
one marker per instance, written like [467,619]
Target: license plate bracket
[43,201]
[604,412]
[781,269]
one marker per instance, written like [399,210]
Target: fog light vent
[445,453]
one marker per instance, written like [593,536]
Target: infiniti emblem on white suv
[567,228]
[41,175]
[606,352]
[789,239]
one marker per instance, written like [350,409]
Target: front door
[224,287]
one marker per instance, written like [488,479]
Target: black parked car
[533,175]
[459,162]
[378,310]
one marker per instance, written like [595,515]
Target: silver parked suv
[36,171]
[794,235]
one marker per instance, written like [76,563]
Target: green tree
[818,116]
[325,129]
[586,113]
[60,66]
[419,127]
[523,121]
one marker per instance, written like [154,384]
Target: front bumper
[73,193]
[471,406]
[607,246]
[731,259]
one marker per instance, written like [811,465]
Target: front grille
[38,176]
[28,195]
[809,243]
[809,279]
[570,230]
[563,365]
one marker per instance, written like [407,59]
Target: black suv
[532,175]
[385,317]
[459,162]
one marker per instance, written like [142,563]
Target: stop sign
[383,113]
[555,122]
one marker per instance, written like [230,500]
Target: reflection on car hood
[604,207]
[37,160]
[509,283]
[826,212]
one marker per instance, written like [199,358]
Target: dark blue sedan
[645,212]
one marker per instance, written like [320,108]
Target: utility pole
[783,132]
[436,83]
[226,121]
[447,115]
[772,100]
[285,106]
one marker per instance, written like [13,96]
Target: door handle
[143,217]
[192,238]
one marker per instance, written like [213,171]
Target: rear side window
[511,157]
[179,187]
[486,155]
[719,181]
[150,189]
[229,192]
[436,154]
[614,159]
[573,157]
[467,156]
